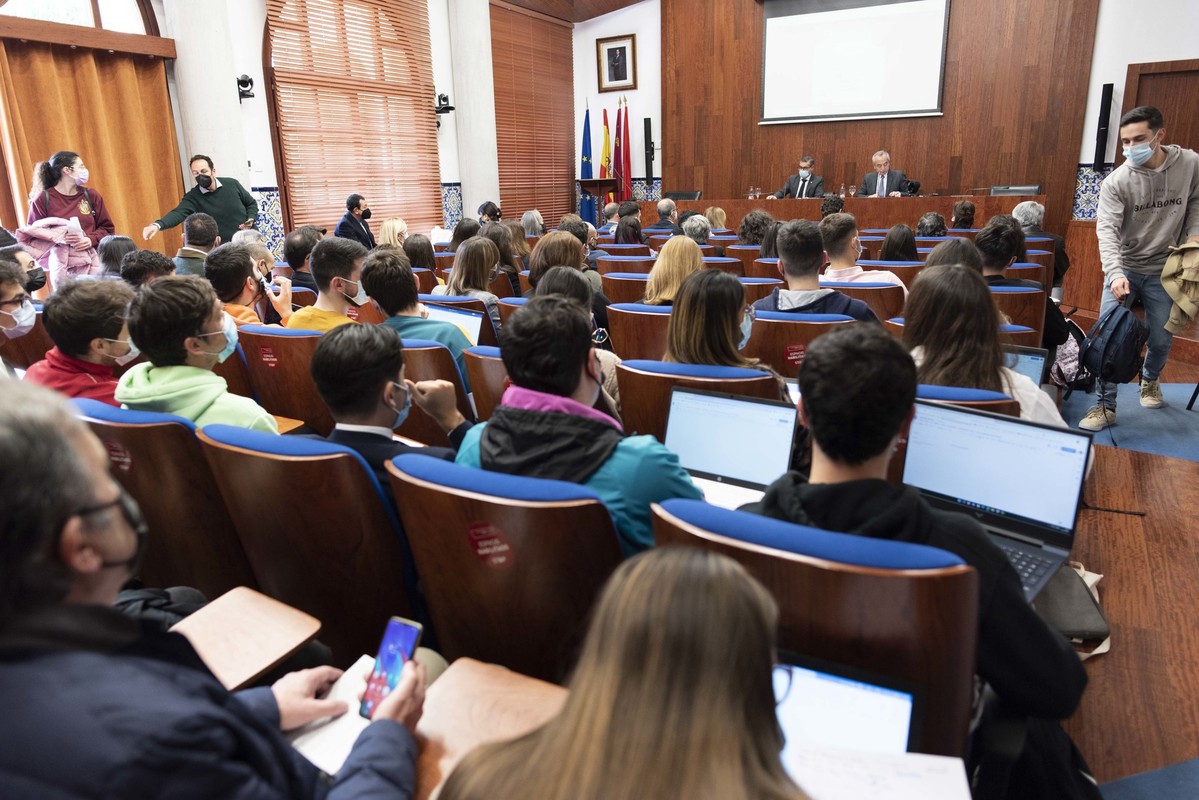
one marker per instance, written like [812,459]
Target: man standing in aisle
[226,200]
[1147,205]
[353,224]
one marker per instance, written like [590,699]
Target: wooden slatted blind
[533,67]
[352,96]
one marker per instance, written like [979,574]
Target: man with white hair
[697,228]
[668,218]
[883,181]
[611,217]
[1030,214]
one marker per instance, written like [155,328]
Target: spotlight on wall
[443,106]
[245,87]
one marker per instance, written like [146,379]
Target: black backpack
[1112,351]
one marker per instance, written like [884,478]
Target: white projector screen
[852,59]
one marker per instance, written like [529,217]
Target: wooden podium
[599,187]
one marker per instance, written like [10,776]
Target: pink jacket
[46,241]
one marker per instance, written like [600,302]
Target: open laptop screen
[1031,362]
[469,321]
[999,467]
[829,705]
[743,440]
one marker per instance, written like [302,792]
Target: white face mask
[359,298]
[128,357]
[23,319]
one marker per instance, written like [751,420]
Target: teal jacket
[190,392]
[640,471]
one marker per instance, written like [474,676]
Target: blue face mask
[402,411]
[747,325]
[229,330]
[805,173]
[1139,154]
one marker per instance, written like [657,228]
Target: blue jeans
[1157,311]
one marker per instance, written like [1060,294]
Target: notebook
[732,446]
[823,704]
[1020,479]
[1031,362]
[468,320]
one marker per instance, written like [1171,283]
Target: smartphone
[399,643]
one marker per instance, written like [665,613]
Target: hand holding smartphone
[400,641]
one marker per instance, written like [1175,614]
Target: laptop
[733,446]
[823,704]
[1022,480]
[471,322]
[1031,362]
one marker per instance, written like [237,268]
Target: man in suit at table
[353,224]
[883,181]
[803,183]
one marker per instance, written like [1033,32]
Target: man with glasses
[179,324]
[99,704]
[17,314]
[336,265]
[883,181]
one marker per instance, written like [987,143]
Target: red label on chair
[490,545]
[268,356]
[794,353]
[352,313]
[119,456]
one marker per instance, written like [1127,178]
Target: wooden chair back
[1042,257]
[1029,271]
[624,287]
[885,300]
[780,339]
[906,271]
[508,307]
[427,361]
[278,359]
[1020,334]
[745,253]
[917,625]
[157,459]
[367,314]
[525,286]
[1025,307]
[500,285]
[706,250]
[733,266]
[488,378]
[444,262]
[509,578]
[645,394]
[758,288]
[658,242]
[282,271]
[333,553]
[627,249]
[425,280]
[302,297]
[763,268]
[615,263]
[638,332]
[236,374]
[441,247]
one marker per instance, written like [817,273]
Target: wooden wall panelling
[1014,96]
[1082,285]
[574,10]
[1171,86]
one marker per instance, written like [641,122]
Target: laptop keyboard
[1031,567]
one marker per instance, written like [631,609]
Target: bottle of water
[842,191]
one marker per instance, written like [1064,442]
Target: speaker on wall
[1105,118]
[649,154]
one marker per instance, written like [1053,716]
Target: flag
[626,171]
[585,167]
[606,156]
[618,158]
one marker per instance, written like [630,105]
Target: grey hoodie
[1142,212]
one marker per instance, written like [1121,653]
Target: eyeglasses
[129,509]
[599,336]
[782,676]
[15,302]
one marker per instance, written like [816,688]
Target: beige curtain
[112,109]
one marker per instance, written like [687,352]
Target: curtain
[110,108]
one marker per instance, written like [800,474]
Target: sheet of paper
[827,774]
[327,742]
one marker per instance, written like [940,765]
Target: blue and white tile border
[1086,190]
[270,218]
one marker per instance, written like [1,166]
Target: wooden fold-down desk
[871,212]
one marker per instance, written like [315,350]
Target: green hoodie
[197,394]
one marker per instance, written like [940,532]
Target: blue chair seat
[629,276]
[759,281]
[446,298]
[1013,290]
[958,394]
[625,258]
[787,316]
[513,301]
[126,416]
[498,484]
[884,264]
[483,351]
[855,285]
[693,370]
[640,308]
[267,330]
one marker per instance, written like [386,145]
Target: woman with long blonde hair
[679,258]
[393,231]
[672,697]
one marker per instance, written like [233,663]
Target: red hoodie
[74,377]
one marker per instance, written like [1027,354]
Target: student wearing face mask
[35,276]
[241,280]
[336,265]
[1149,204]
[59,191]
[804,183]
[226,200]
[17,313]
[178,324]
[86,321]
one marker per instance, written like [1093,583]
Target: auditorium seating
[627,249]
[759,288]
[1022,305]
[622,263]
[625,287]
[780,338]
[658,242]
[733,266]
[1042,257]
[885,299]
[425,280]
[892,608]
[427,360]
[157,460]
[906,271]
[236,373]
[367,313]
[306,297]
[638,330]
[645,389]
[487,333]
[508,307]
[525,286]
[318,532]
[278,360]
[763,268]
[500,285]
[1030,272]
[444,262]
[1015,334]
[488,378]
[746,253]
[510,565]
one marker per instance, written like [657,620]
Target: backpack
[1112,351]
[1068,371]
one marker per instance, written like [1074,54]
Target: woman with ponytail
[59,191]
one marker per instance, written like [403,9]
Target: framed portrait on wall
[616,59]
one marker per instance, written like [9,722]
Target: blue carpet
[1167,431]
[1175,781]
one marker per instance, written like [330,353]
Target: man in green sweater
[226,200]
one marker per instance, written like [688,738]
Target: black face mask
[366,214]
[35,279]
[204,181]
